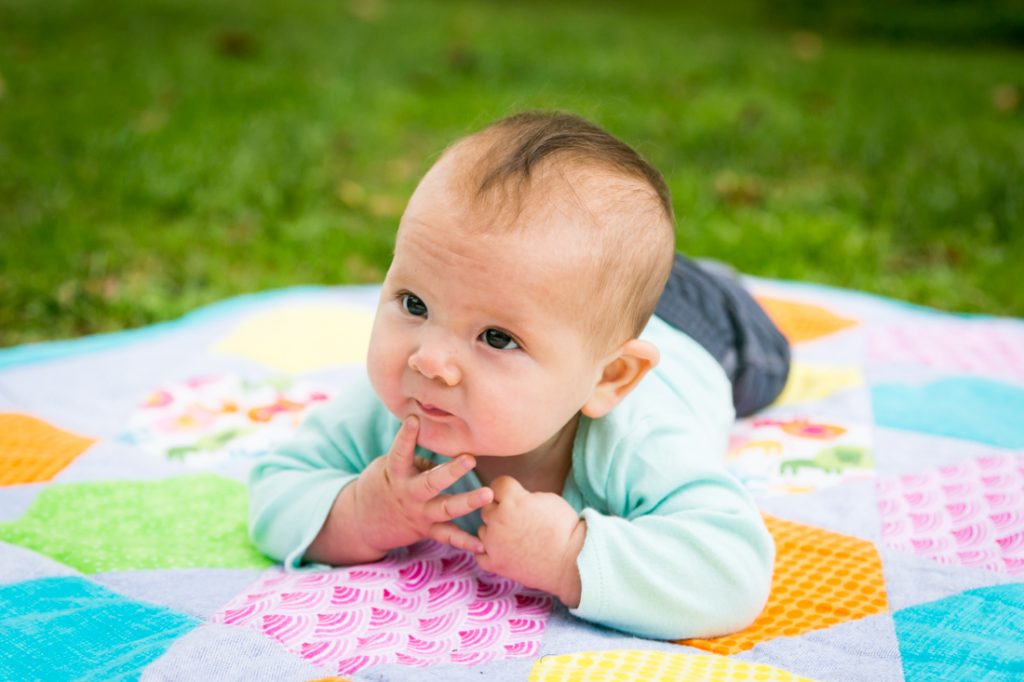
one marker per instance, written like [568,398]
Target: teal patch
[976,635]
[73,629]
[960,407]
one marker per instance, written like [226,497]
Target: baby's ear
[623,370]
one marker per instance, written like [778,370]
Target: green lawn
[159,155]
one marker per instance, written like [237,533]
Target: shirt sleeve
[675,546]
[293,489]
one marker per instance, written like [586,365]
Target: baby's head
[553,172]
[528,260]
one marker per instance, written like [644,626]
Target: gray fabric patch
[221,652]
[912,580]
[18,564]
[196,591]
[865,650]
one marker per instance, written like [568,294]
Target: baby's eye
[495,338]
[413,305]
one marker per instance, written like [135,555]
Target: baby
[572,441]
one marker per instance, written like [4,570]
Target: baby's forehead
[586,207]
[583,211]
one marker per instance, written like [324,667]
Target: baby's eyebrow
[501,318]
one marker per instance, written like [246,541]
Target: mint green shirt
[675,547]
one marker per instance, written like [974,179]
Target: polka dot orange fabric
[800,322]
[33,451]
[822,578]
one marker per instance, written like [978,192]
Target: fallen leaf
[737,190]
[351,193]
[1005,98]
[807,46]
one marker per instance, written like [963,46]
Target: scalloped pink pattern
[992,348]
[425,605]
[970,513]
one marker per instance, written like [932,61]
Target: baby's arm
[392,504]
[675,547]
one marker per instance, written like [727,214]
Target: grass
[159,155]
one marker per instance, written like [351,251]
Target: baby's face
[479,334]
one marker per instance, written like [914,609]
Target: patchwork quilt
[890,472]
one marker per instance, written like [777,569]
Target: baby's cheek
[382,387]
[375,366]
[385,367]
[520,432]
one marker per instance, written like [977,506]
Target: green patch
[185,522]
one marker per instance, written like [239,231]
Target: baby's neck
[540,471]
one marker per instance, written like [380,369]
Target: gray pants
[708,303]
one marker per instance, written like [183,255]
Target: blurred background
[156,155]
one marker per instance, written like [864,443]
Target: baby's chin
[442,439]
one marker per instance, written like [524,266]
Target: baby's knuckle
[430,485]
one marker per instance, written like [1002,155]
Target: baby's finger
[485,562]
[448,507]
[401,463]
[450,534]
[489,511]
[429,484]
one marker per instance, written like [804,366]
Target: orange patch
[802,321]
[822,578]
[33,451]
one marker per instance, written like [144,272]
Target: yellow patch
[295,340]
[808,382]
[650,666]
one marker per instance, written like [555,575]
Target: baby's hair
[634,247]
[533,136]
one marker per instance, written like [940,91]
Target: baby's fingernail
[467,463]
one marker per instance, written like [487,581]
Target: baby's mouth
[433,411]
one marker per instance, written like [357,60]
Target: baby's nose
[437,360]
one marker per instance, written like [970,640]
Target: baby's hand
[533,538]
[397,504]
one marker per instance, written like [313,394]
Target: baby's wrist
[341,540]
[366,519]
[570,589]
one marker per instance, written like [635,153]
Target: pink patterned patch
[425,605]
[970,514]
[991,348]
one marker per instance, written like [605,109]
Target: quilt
[890,473]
